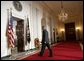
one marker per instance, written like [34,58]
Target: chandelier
[63,15]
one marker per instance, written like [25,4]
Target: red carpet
[62,51]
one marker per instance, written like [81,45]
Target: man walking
[45,42]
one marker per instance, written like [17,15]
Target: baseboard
[5,56]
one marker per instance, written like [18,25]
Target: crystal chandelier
[63,15]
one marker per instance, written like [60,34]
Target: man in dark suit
[45,42]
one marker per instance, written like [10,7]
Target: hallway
[22,34]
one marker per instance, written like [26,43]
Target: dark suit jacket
[45,38]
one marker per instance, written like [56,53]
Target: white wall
[4,6]
[35,14]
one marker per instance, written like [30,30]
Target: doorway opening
[70,31]
[19,33]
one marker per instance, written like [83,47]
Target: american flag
[10,32]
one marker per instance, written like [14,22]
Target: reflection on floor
[19,55]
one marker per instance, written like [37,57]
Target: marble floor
[20,55]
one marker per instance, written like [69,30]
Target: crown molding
[47,8]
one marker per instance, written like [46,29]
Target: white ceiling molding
[47,9]
[74,9]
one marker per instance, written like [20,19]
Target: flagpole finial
[11,11]
[8,12]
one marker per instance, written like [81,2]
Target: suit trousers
[43,48]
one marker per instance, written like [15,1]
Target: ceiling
[73,8]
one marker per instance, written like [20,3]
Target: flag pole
[7,20]
[10,17]
[7,27]
[7,30]
[26,31]
[10,11]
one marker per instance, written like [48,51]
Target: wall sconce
[77,28]
[62,30]
[62,33]
[78,32]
